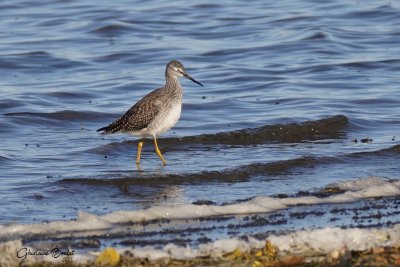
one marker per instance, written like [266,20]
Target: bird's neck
[172,82]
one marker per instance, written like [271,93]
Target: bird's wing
[137,117]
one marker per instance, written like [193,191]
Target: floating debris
[366,140]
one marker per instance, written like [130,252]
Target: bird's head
[175,69]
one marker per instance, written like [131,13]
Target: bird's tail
[103,130]
[112,128]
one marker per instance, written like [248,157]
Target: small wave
[8,103]
[234,175]
[6,127]
[69,95]
[316,36]
[64,115]
[231,175]
[362,189]
[39,61]
[391,151]
[119,56]
[4,159]
[328,128]
[384,12]
[380,64]
[207,6]
[114,29]
[294,18]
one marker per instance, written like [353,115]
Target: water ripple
[231,175]
[271,71]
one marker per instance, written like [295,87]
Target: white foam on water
[360,189]
[213,249]
[85,222]
[362,183]
[356,190]
[329,239]
[305,242]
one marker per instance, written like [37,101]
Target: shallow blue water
[68,68]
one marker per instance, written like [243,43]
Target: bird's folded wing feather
[137,117]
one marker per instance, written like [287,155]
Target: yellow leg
[159,152]
[139,151]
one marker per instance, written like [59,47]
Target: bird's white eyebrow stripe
[178,69]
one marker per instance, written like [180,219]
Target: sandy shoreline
[317,247]
[267,256]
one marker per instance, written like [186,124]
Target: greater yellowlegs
[156,112]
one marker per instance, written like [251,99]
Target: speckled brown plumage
[137,117]
[155,113]
[150,115]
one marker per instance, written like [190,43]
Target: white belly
[166,121]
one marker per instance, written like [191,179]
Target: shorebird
[156,112]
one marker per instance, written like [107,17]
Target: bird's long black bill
[190,78]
